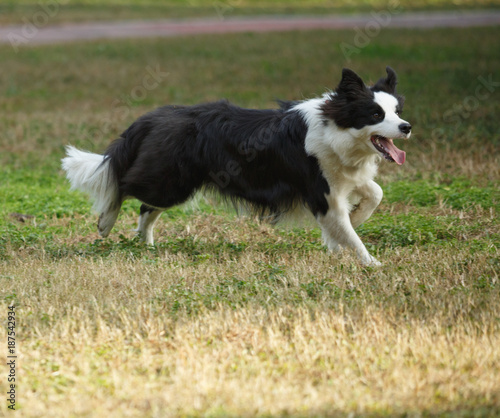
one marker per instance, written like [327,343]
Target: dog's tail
[93,174]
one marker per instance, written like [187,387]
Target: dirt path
[38,30]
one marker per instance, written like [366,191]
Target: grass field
[227,316]
[62,11]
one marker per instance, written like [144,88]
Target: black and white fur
[321,153]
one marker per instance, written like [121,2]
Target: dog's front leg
[371,196]
[338,232]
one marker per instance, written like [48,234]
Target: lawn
[228,316]
[62,11]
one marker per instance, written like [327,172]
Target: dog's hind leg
[93,174]
[107,220]
[148,217]
[371,195]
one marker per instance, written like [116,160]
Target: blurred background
[92,90]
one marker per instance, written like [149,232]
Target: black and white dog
[321,153]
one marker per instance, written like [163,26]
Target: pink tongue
[396,154]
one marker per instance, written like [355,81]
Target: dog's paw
[370,261]
[106,222]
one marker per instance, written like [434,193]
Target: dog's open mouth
[387,148]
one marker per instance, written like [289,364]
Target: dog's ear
[387,84]
[337,106]
[392,78]
[351,85]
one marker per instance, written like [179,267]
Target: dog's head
[371,114]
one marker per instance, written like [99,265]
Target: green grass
[114,326]
[51,85]
[18,12]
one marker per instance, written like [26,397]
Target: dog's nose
[405,128]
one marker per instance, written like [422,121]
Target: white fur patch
[389,127]
[86,172]
[332,145]
[386,101]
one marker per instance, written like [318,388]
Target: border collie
[321,153]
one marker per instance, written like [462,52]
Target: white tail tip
[90,173]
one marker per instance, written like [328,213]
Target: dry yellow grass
[250,362]
[100,336]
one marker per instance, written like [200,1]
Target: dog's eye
[398,112]
[377,115]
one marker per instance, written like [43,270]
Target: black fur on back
[254,155]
